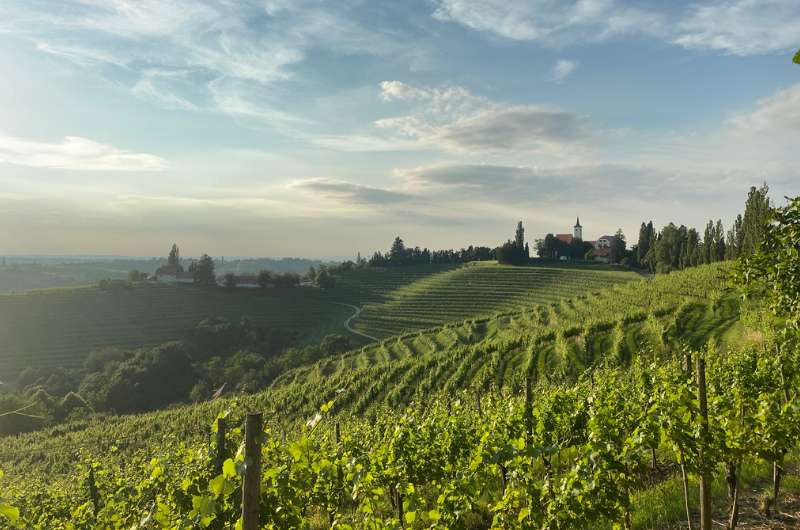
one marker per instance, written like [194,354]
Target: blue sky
[323,128]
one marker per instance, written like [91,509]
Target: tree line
[400,255]
[678,247]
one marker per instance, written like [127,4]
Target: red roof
[602,252]
[566,238]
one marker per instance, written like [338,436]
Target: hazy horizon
[311,128]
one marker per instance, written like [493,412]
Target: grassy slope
[59,327]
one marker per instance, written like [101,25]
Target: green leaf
[216,485]
[229,468]
[10,513]
[796,59]
[411,517]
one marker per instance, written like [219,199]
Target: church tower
[577,231]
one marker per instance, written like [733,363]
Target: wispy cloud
[550,22]
[562,69]
[742,27]
[350,192]
[452,118]
[75,153]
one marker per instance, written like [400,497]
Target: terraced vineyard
[551,342]
[61,327]
[554,342]
[476,290]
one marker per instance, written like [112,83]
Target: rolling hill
[60,327]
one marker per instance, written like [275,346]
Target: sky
[316,128]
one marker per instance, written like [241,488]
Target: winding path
[354,316]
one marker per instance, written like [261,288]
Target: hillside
[477,289]
[60,327]
[552,344]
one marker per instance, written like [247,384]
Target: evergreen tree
[754,223]
[397,254]
[174,258]
[519,236]
[719,241]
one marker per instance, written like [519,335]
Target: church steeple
[577,231]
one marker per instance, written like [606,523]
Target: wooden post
[251,485]
[705,483]
[220,455]
[400,507]
[528,412]
[684,474]
[93,491]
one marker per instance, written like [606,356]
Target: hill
[60,327]
[434,370]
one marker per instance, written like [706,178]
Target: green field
[60,327]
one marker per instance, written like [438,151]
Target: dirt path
[352,317]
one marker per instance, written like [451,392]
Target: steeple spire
[578,221]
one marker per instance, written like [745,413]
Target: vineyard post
[337,438]
[705,483]
[528,412]
[684,475]
[251,484]
[93,491]
[220,455]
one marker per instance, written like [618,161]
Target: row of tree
[678,247]
[400,255]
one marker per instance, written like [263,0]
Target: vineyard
[436,431]
[78,321]
[478,289]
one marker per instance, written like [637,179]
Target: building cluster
[601,247]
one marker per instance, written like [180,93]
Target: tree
[510,254]
[174,258]
[796,58]
[618,246]
[519,236]
[397,254]
[264,279]
[203,271]
[230,281]
[773,270]
[754,223]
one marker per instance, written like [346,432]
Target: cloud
[742,27]
[253,44]
[562,69]
[75,153]
[148,88]
[778,114]
[549,21]
[524,184]
[454,119]
[349,192]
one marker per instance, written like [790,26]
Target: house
[577,233]
[173,274]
